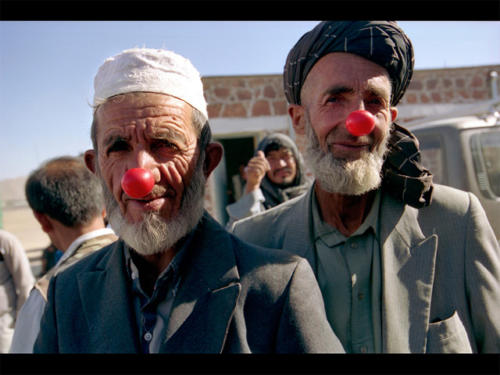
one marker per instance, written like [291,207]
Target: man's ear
[89,158]
[296,112]
[394,113]
[44,221]
[213,156]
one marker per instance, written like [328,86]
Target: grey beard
[154,234]
[336,175]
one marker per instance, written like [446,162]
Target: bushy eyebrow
[337,90]
[166,133]
[379,92]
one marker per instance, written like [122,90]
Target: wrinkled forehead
[134,107]
[158,114]
[344,70]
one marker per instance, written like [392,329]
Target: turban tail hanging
[403,175]
[384,43]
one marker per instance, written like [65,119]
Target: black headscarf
[273,193]
[384,43]
[403,175]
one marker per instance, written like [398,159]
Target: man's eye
[164,144]
[375,101]
[118,146]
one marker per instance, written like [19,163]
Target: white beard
[154,234]
[336,175]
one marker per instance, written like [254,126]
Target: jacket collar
[208,294]
[299,238]
[107,305]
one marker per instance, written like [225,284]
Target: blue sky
[47,68]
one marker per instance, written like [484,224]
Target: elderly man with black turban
[403,265]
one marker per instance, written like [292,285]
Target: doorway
[228,182]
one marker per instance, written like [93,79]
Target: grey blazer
[440,268]
[234,298]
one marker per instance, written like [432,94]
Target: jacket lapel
[207,296]
[298,232]
[408,263]
[104,307]
[201,326]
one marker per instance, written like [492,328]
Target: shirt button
[361,296]
[148,336]
[354,279]
[363,349]
[354,245]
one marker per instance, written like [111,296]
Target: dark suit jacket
[235,297]
[440,268]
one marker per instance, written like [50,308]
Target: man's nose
[140,159]
[356,106]
[143,159]
[281,163]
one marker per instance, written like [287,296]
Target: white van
[464,152]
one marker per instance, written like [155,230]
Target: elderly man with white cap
[176,281]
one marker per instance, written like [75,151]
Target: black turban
[382,42]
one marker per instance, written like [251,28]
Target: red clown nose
[360,123]
[138,182]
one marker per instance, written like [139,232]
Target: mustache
[156,192]
[159,191]
[334,135]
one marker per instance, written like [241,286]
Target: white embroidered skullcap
[150,70]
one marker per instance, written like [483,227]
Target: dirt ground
[21,222]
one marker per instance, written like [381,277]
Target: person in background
[404,265]
[176,281]
[67,201]
[50,257]
[274,175]
[239,181]
[16,281]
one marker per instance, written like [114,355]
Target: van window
[485,149]
[432,157]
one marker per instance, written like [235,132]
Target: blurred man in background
[50,257]
[67,201]
[16,281]
[274,175]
